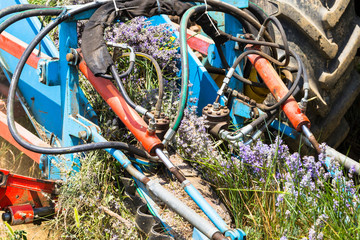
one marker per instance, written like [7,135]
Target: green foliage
[17,234]
[84,196]
[272,193]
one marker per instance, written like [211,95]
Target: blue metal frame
[60,106]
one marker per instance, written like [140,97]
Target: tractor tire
[326,35]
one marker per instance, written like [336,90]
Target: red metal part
[128,115]
[21,214]
[16,47]
[28,136]
[279,90]
[17,190]
[196,41]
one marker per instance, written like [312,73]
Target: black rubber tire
[326,34]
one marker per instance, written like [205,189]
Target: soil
[181,228]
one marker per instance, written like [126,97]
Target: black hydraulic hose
[123,92]
[215,70]
[282,34]
[261,15]
[18,8]
[123,74]
[128,100]
[158,74]
[132,149]
[285,47]
[234,11]
[30,13]
[239,14]
[300,72]
[237,76]
[15,81]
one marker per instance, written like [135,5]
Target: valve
[218,117]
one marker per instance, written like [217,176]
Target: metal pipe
[330,153]
[258,133]
[344,160]
[164,158]
[224,134]
[242,132]
[182,209]
[311,138]
[194,193]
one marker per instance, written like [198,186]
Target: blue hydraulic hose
[206,208]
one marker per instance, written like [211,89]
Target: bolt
[209,105]
[209,112]
[218,113]
[226,111]
[70,57]
[206,108]
[151,126]
[216,106]
[82,134]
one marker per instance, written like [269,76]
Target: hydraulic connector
[162,124]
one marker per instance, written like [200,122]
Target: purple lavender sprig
[305,193]
[157,41]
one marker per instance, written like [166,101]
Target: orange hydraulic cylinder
[279,90]
[128,115]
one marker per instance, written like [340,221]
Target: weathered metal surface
[16,190]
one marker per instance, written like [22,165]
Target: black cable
[132,149]
[215,70]
[124,74]
[261,15]
[237,76]
[14,83]
[121,86]
[18,8]
[235,12]
[291,53]
[29,13]
[160,81]
[158,73]
[283,37]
